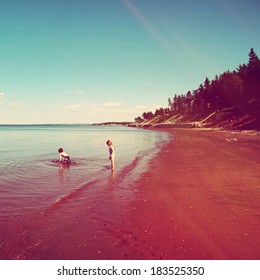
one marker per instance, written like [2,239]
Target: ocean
[33,185]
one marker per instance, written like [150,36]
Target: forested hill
[230,100]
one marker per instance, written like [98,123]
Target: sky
[86,61]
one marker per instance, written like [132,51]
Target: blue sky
[85,61]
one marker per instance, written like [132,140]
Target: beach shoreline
[200,197]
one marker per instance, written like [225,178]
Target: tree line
[238,91]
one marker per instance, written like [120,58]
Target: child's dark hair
[60,150]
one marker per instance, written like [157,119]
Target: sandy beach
[198,199]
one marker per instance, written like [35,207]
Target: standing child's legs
[112,163]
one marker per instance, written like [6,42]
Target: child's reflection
[63,172]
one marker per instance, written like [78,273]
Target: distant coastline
[113,123]
[48,124]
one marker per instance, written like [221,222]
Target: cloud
[151,107]
[75,107]
[94,107]
[156,106]
[2,97]
[116,107]
[125,110]
[81,107]
[141,107]
[14,104]
[78,91]
[113,104]
[98,109]
[4,100]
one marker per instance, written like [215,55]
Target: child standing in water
[111,151]
[64,158]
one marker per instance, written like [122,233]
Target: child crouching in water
[111,151]
[64,158]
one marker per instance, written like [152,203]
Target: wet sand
[199,199]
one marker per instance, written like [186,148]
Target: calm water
[31,183]
[30,179]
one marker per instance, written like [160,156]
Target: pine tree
[252,80]
[254,62]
